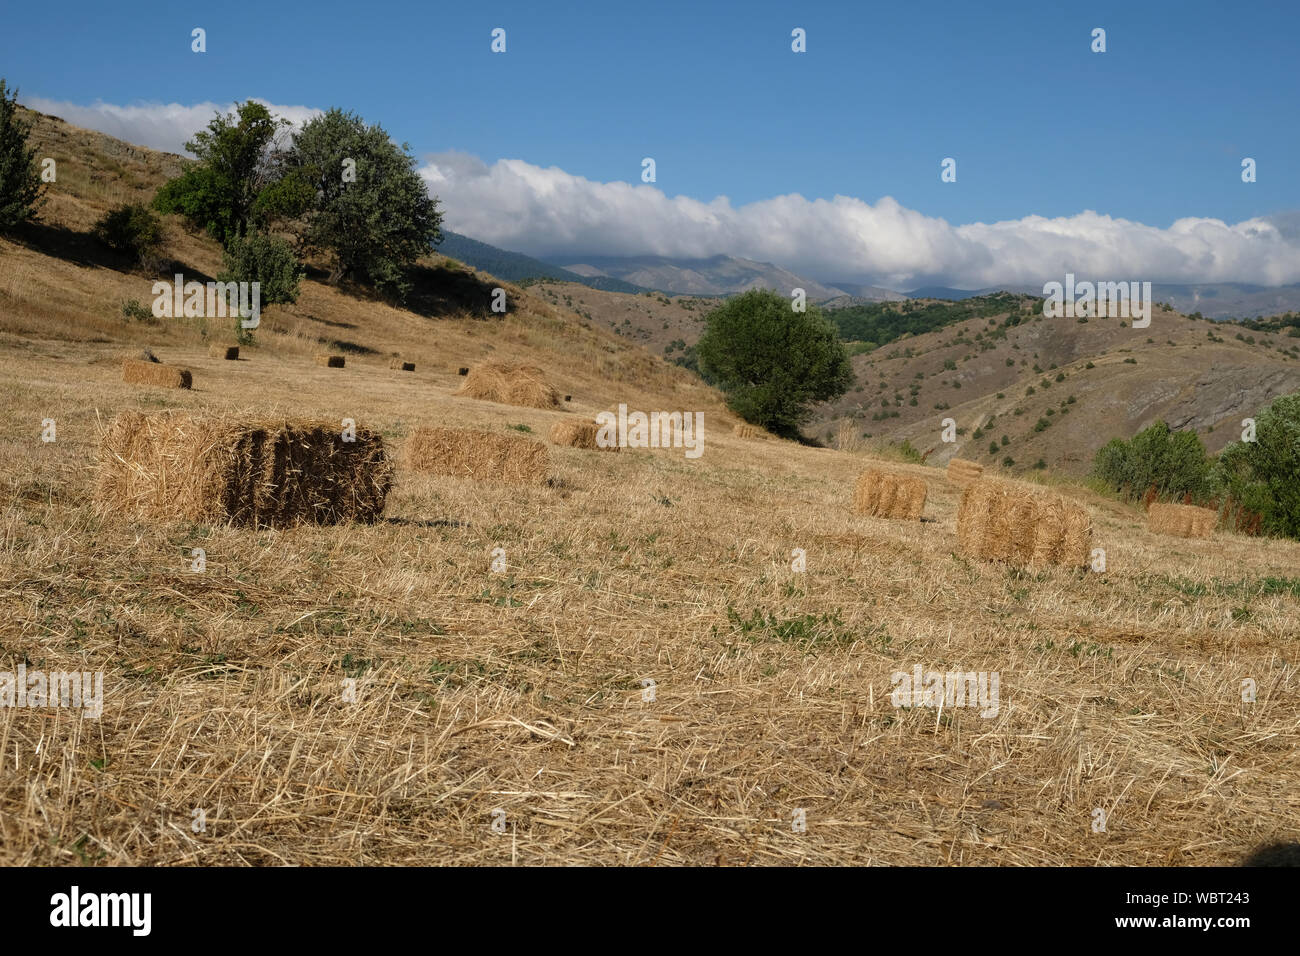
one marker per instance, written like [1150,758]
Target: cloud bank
[551,213]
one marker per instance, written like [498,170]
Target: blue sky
[1152,130]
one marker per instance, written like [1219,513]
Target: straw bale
[1183,521]
[250,472]
[510,385]
[228,353]
[578,435]
[330,361]
[137,372]
[889,494]
[401,366]
[962,472]
[1010,521]
[484,456]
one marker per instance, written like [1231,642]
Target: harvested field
[886,494]
[484,456]
[272,473]
[1019,523]
[139,372]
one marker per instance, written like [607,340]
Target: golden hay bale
[889,494]
[330,361]
[962,472]
[746,430]
[401,366]
[1183,521]
[137,372]
[228,353]
[510,385]
[273,473]
[1009,521]
[468,453]
[462,371]
[578,435]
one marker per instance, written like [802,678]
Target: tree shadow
[83,249]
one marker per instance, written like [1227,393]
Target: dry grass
[1010,521]
[510,384]
[888,494]
[144,372]
[271,473]
[1183,521]
[480,455]
[962,472]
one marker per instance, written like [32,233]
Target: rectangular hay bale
[1009,521]
[578,435]
[889,494]
[962,472]
[272,473]
[400,366]
[330,361]
[1182,521]
[229,353]
[137,372]
[483,456]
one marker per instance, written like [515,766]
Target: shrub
[268,261]
[1261,475]
[1173,463]
[133,230]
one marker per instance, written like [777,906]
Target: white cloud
[164,126]
[552,213]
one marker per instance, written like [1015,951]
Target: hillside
[652,680]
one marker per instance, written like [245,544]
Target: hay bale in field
[462,370]
[484,456]
[400,366]
[263,473]
[578,435]
[330,361]
[227,352]
[137,372]
[748,431]
[962,472]
[889,494]
[1009,521]
[1183,521]
[568,398]
[510,385]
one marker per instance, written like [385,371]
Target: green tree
[268,261]
[218,193]
[21,189]
[772,362]
[1262,475]
[369,209]
[133,230]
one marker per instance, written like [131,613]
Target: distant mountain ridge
[715,275]
[515,266]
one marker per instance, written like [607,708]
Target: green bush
[133,230]
[1262,475]
[1173,463]
[268,261]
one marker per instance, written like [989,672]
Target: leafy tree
[218,193]
[369,208]
[773,362]
[21,188]
[1262,475]
[1174,463]
[268,261]
[133,230]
